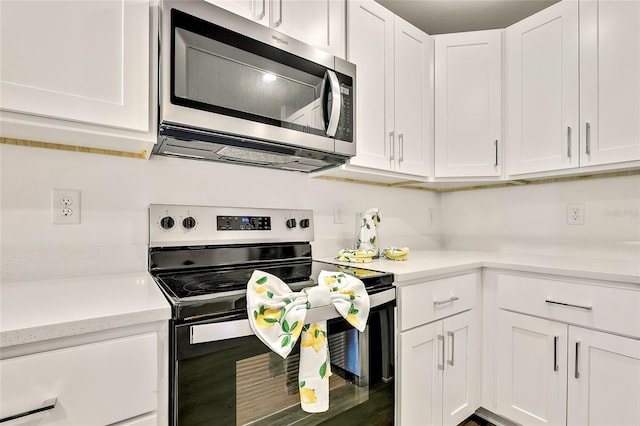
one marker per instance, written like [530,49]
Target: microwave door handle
[336,103]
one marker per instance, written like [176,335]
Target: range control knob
[167,223]
[304,223]
[188,223]
[291,223]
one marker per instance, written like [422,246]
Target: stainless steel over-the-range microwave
[233,90]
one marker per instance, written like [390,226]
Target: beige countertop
[32,311]
[423,264]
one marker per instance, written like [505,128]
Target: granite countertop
[32,311]
[423,264]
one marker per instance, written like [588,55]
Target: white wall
[533,218]
[115,194]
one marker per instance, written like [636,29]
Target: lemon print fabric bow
[277,316]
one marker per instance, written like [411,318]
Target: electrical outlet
[338,217]
[575,214]
[65,206]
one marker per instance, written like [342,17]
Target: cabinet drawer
[98,383]
[594,306]
[429,301]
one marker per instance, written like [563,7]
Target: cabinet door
[78,61]
[255,10]
[420,370]
[461,383]
[531,369]
[604,379]
[542,90]
[468,103]
[370,47]
[413,109]
[320,23]
[609,81]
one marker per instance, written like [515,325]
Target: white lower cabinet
[568,364]
[439,360]
[99,383]
[439,365]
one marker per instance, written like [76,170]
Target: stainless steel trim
[495,144]
[577,370]
[49,404]
[453,346]
[441,341]
[555,353]
[336,104]
[212,332]
[569,141]
[449,300]
[401,147]
[588,138]
[570,305]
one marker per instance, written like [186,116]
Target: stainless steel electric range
[220,372]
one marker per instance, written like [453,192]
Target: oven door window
[220,71]
[239,381]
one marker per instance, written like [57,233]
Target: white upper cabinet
[78,73]
[468,104]
[320,23]
[609,81]
[542,90]
[393,90]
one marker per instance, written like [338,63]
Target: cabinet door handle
[569,141]
[260,17]
[277,23]
[441,345]
[588,138]
[553,302]
[49,404]
[453,347]
[401,147]
[577,370]
[449,300]
[391,148]
[555,353]
[495,144]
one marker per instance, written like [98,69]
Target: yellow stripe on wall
[74,148]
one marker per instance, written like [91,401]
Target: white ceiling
[451,16]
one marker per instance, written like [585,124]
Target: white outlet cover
[65,206]
[575,214]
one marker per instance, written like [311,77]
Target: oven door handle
[216,331]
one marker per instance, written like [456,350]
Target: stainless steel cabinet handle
[569,141]
[277,23]
[260,17]
[391,147]
[49,404]
[555,353]
[495,144]
[588,138]
[449,300]
[553,302]
[577,370]
[441,344]
[401,147]
[453,346]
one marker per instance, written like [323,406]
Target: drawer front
[429,301]
[611,309]
[94,384]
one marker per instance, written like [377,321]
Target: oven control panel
[244,223]
[179,225]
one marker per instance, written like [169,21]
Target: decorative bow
[277,317]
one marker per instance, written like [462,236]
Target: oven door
[223,374]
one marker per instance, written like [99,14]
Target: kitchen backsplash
[116,192]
